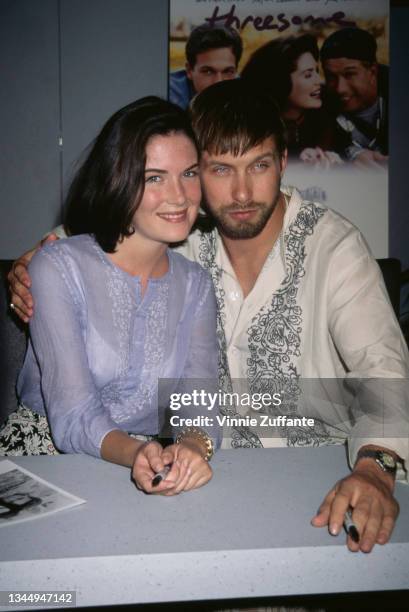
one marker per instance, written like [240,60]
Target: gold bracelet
[201,436]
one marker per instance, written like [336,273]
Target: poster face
[325,63]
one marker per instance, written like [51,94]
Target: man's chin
[241,231]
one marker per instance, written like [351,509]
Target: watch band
[385,460]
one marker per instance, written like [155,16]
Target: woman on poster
[287,68]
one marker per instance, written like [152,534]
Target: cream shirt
[318,313]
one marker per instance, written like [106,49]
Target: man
[292,279]
[212,55]
[360,89]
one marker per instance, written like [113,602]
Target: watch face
[388,460]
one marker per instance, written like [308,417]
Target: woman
[288,69]
[116,310]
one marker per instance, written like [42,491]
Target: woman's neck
[294,114]
[143,258]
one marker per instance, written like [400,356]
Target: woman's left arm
[190,468]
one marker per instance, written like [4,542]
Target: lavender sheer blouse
[97,347]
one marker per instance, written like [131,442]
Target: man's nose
[242,191]
[341,85]
[217,77]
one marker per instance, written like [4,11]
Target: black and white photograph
[25,496]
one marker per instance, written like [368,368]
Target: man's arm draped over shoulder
[19,279]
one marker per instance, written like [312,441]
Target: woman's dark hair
[109,185]
[269,67]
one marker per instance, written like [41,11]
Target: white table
[246,534]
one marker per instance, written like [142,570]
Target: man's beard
[241,229]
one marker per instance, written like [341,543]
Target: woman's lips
[174,217]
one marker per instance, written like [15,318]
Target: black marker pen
[157,479]
[350,526]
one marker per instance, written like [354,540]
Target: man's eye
[260,166]
[220,170]
[154,179]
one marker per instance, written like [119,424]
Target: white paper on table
[24,496]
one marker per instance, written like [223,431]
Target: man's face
[354,83]
[211,67]
[242,191]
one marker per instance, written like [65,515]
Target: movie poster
[326,64]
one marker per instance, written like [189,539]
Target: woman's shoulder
[185,265]
[73,247]
[191,280]
[73,254]
[189,272]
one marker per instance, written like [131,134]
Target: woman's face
[172,189]
[306,84]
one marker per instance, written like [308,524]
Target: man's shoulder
[196,243]
[336,223]
[323,224]
[180,90]
[178,76]
[336,236]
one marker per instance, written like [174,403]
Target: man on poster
[292,279]
[360,88]
[212,55]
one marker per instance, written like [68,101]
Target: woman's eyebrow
[162,171]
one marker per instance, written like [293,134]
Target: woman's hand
[147,463]
[319,158]
[370,159]
[189,470]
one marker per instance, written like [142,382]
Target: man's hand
[369,492]
[20,282]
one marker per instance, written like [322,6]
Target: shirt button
[234,296]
